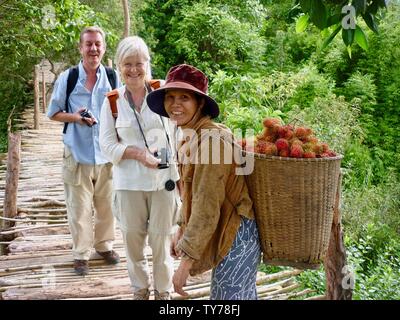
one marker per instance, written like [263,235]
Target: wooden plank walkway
[38,264]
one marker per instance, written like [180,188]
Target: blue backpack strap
[73,75]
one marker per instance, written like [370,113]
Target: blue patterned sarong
[234,278]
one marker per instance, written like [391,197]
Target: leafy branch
[341,16]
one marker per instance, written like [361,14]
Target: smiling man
[76,100]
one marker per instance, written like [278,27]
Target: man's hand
[82,120]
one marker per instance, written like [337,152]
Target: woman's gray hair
[133,46]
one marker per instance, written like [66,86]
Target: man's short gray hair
[93,29]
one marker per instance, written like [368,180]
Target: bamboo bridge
[37,261]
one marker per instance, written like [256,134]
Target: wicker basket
[293,202]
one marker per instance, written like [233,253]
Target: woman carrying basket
[217,230]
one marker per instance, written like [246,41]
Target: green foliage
[224,41]
[374,262]
[209,34]
[335,16]
[362,87]
[375,259]
[271,269]
[310,84]
[243,100]
[373,204]
[35,29]
[383,65]
[313,279]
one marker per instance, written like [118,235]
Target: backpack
[73,75]
[113,96]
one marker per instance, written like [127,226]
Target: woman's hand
[174,251]
[181,275]
[148,160]
[142,155]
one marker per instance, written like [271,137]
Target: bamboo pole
[337,286]
[44,100]
[11,187]
[31,228]
[32,220]
[36,97]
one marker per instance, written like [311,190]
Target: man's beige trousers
[88,189]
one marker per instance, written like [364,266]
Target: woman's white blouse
[116,135]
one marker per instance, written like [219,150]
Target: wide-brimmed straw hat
[187,77]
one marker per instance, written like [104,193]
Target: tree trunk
[339,281]
[127,21]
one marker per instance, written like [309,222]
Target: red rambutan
[283,153]
[282,144]
[300,132]
[296,151]
[309,154]
[270,122]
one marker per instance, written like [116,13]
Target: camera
[164,157]
[88,114]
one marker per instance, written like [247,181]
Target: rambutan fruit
[308,146]
[296,151]
[318,148]
[270,122]
[312,139]
[325,147]
[271,149]
[295,141]
[282,144]
[261,146]
[270,139]
[309,154]
[300,132]
[285,132]
[283,152]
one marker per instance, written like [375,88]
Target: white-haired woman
[144,199]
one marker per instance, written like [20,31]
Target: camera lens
[169,185]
